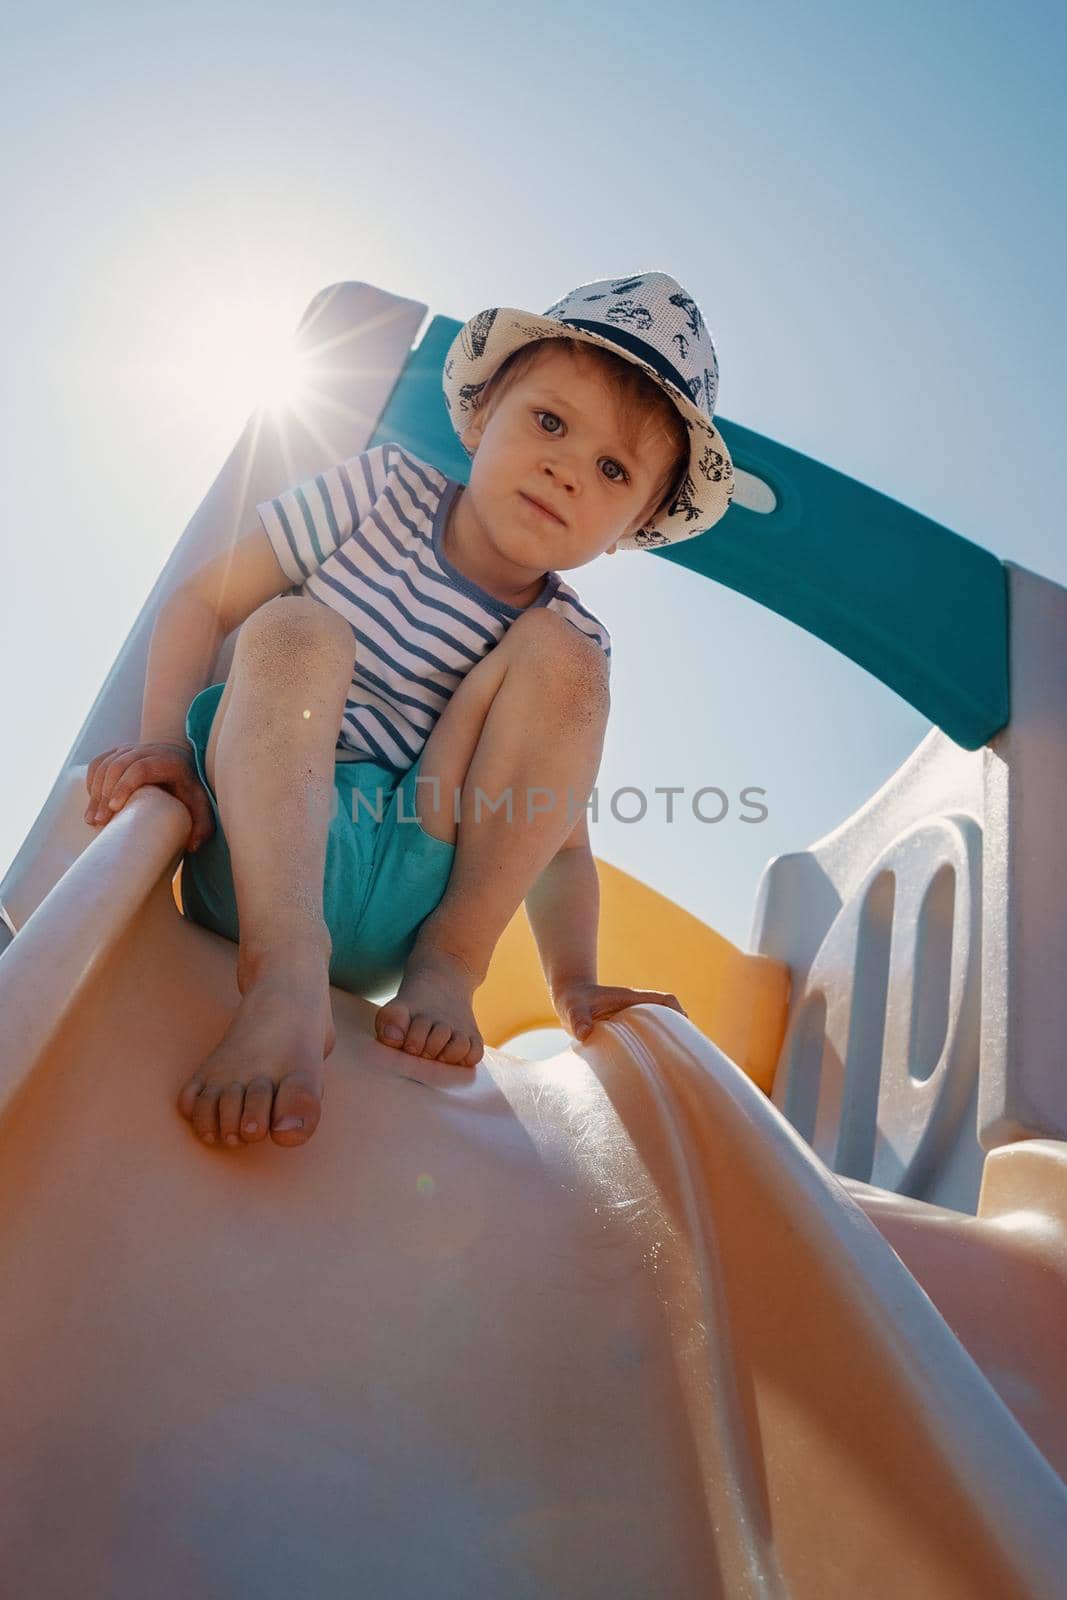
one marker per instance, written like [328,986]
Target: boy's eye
[624,476]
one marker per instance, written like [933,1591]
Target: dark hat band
[645,352]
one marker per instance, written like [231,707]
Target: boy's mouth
[542,507]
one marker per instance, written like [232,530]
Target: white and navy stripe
[365,538]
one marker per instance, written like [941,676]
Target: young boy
[403,751]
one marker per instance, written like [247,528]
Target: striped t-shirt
[365,537]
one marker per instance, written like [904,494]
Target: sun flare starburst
[280,377]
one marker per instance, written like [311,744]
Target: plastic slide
[767,1301]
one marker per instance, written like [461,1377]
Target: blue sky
[868,204]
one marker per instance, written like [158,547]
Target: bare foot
[270,1056]
[431,1013]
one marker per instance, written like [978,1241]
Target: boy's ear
[472,433]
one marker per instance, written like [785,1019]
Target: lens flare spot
[425,1185]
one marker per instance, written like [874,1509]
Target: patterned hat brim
[486,340]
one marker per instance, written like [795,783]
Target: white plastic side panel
[927,938]
[882,1053]
[881,923]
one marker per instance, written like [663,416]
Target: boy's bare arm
[564,911]
[185,642]
[189,628]
[192,624]
[563,908]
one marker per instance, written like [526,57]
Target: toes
[187,1097]
[437,1038]
[394,1016]
[418,1033]
[455,1051]
[297,1109]
[238,1113]
[206,1113]
[231,1104]
[422,1035]
[256,1120]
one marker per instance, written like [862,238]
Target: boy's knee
[569,658]
[297,622]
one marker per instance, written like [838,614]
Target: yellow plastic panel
[738,1001]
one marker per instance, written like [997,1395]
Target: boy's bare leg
[270,762]
[530,716]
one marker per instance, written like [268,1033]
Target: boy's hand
[115,774]
[579,1005]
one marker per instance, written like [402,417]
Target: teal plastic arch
[921,608]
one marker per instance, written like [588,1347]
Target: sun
[226,361]
[221,363]
[278,376]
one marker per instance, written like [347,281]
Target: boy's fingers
[99,768]
[122,778]
[166,771]
[203,819]
[94,765]
[115,774]
[118,783]
[662,999]
[103,783]
[172,774]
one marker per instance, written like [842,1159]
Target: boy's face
[553,434]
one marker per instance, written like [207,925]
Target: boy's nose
[562,478]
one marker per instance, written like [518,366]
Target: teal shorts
[382,878]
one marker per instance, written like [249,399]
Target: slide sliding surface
[595,1326]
